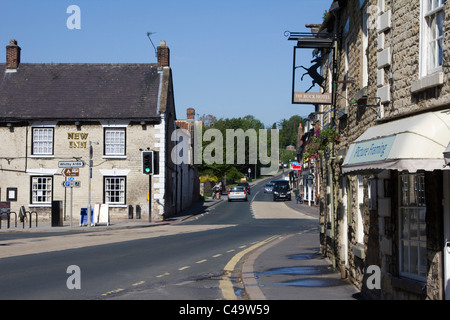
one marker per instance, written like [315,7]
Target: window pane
[43,141]
[115,190]
[41,190]
[412,226]
[423,225]
[405,224]
[405,256]
[115,142]
[423,260]
[414,257]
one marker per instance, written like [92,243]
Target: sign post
[71,170]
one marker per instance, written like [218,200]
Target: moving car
[269,187]
[237,193]
[245,185]
[281,191]
[280,182]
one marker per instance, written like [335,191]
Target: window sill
[39,206]
[430,81]
[37,156]
[409,285]
[358,251]
[115,157]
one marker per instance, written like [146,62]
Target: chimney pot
[12,55]
[190,113]
[163,54]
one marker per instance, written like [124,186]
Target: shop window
[412,226]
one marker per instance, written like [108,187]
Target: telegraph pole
[91,153]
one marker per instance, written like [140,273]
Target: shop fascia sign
[371,150]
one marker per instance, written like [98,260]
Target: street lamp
[91,153]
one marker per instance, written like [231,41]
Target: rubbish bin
[57,213]
[83,216]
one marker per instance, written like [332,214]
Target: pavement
[288,268]
[292,267]
[44,227]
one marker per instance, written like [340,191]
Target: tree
[245,123]
[289,130]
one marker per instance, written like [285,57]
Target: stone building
[385,187]
[105,115]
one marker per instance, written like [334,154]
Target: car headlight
[288,192]
[276,192]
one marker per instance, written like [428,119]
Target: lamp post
[91,153]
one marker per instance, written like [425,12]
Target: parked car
[245,185]
[237,193]
[269,187]
[281,191]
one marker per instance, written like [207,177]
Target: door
[447,234]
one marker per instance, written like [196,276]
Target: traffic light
[147,162]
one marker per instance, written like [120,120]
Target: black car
[280,182]
[281,191]
[245,185]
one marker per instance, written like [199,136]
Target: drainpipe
[332,206]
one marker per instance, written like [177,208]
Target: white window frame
[412,227]
[43,141]
[115,141]
[364,47]
[115,187]
[41,190]
[360,217]
[426,41]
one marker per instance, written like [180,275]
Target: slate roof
[79,92]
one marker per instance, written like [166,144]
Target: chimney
[190,114]
[12,55]
[163,54]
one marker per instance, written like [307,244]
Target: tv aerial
[148,35]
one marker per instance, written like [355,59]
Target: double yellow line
[225,283]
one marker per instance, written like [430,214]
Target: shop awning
[412,144]
[447,155]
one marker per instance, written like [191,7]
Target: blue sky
[229,58]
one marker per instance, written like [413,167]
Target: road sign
[71,172]
[71,164]
[71,184]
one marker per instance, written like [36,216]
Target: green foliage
[320,143]
[236,171]
[289,130]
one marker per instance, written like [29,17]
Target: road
[187,260]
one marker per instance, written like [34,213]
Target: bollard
[138,211]
[130,212]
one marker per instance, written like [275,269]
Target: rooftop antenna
[148,35]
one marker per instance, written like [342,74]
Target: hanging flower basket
[320,143]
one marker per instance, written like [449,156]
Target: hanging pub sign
[312,66]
